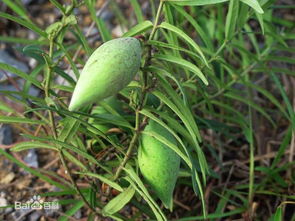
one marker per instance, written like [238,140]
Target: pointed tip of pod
[73,106]
[168,203]
[109,69]
[70,108]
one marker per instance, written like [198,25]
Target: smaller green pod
[159,164]
[110,68]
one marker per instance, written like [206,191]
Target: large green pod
[159,164]
[109,69]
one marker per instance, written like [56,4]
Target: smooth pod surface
[159,164]
[109,69]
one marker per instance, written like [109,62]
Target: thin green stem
[218,51]
[49,69]
[251,152]
[131,146]
[139,125]
[251,167]
[156,20]
[74,183]
[47,87]
[213,57]
[47,83]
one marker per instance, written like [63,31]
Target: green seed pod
[109,69]
[159,164]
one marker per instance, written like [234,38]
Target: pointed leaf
[104,180]
[32,144]
[195,2]
[138,29]
[254,4]
[184,63]
[119,201]
[183,35]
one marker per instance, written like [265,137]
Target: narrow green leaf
[16,8]
[5,107]
[176,126]
[136,182]
[268,95]
[215,215]
[279,214]
[250,103]
[147,113]
[11,39]
[70,60]
[20,120]
[254,4]
[243,15]
[65,192]
[285,98]
[19,73]
[81,37]
[138,29]
[283,146]
[160,44]
[70,127]
[13,95]
[113,119]
[32,171]
[32,144]
[198,189]
[260,20]
[184,63]
[73,159]
[137,10]
[60,144]
[24,23]
[191,127]
[58,5]
[231,18]
[104,180]
[203,35]
[116,204]
[70,212]
[104,32]
[281,58]
[183,35]
[195,2]
[161,73]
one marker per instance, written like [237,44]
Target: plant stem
[156,20]
[138,124]
[131,146]
[47,86]
[75,184]
[218,51]
[52,122]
